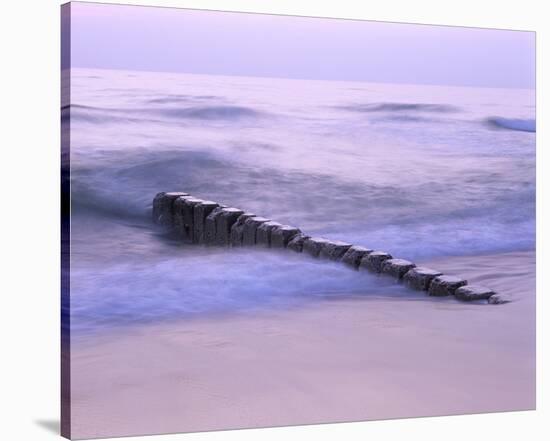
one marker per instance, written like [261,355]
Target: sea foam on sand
[340,360]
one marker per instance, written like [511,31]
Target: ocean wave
[405,119]
[401,107]
[123,184]
[209,112]
[178,99]
[137,176]
[100,115]
[90,201]
[517,124]
[173,286]
[101,119]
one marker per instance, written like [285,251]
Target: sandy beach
[346,359]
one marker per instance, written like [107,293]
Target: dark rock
[263,233]
[162,207]
[183,217]
[420,277]
[297,242]
[250,227]
[177,216]
[210,226]
[158,206]
[396,267]
[334,249]
[224,221]
[200,213]
[354,254]
[373,261]
[281,236]
[445,285]
[499,299]
[314,245]
[188,212]
[469,293]
[236,235]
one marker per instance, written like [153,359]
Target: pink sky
[192,41]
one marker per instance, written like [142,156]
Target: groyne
[198,221]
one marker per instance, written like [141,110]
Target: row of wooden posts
[202,222]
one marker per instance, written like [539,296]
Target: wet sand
[341,360]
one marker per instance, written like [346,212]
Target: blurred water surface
[419,171]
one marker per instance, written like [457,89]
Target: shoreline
[332,361]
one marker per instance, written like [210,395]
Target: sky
[223,43]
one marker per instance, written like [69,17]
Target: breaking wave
[98,115]
[401,107]
[210,112]
[521,125]
[178,99]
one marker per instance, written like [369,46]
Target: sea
[419,171]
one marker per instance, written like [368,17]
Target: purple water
[418,171]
